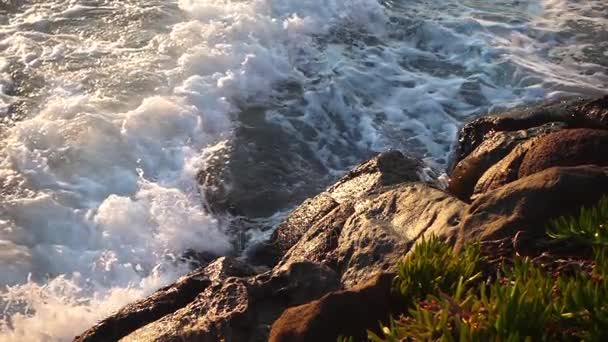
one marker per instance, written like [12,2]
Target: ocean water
[109,108]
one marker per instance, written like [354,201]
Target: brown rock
[241,309]
[503,172]
[528,203]
[385,169]
[346,313]
[291,230]
[574,113]
[260,171]
[366,236]
[496,146]
[467,171]
[163,301]
[357,229]
[569,147]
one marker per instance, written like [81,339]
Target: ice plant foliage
[449,296]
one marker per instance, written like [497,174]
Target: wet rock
[261,170]
[368,235]
[197,259]
[574,113]
[385,169]
[497,145]
[241,309]
[467,171]
[472,93]
[163,302]
[346,313]
[528,203]
[594,114]
[503,172]
[333,256]
[289,232]
[568,147]
[359,228]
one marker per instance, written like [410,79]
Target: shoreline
[512,172]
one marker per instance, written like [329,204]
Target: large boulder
[260,170]
[528,203]
[494,148]
[362,239]
[574,113]
[342,313]
[504,171]
[164,301]
[569,147]
[565,147]
[368,235]
[385,169]
[241,309]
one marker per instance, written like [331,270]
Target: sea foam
[126,101]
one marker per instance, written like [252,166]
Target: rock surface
[368,235]
[164,301]
[528,203]
[343,238]
[385,169]
[568,147]
[493,149]
[329,264]
[241,309]
[574,113]
[346,313]
[260,171]
[504,171]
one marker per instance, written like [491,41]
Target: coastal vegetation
[472,296]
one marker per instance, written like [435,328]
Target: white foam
[100,199]
[99,191]
[62,309]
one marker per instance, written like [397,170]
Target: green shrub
[433,267]
[446,299]
[589,227]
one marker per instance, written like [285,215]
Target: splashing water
[109,109]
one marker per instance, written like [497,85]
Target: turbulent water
[110,107]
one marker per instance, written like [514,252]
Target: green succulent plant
[445,296]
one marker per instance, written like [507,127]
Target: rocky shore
[327,269]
